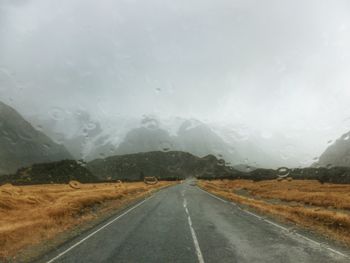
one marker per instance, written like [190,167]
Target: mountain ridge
[22,145]
[336,154]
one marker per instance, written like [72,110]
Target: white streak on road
[194,237]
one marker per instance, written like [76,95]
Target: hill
[53,172]
[337,154]
[336,175]
[163,165]
[22,145]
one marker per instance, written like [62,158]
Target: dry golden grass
[320,207]
[32,214]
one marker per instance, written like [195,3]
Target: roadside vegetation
[324,208]
[30,215]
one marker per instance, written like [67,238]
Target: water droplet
[58,138]
[56,114]
[221,162]
[287,152]
[24,135]
[90,126]
[283,172]
[47,146]
[39,127]
[165,146]
[81,163]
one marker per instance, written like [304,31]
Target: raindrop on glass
[56,114]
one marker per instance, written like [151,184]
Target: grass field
[324,208]
[32,214]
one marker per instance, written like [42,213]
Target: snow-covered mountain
[88,138]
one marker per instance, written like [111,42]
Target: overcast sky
[273,66]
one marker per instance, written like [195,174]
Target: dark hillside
[163,165]
[54,172]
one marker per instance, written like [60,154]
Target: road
[185,224]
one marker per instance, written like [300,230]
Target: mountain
[90,137]
[192,136]
[337,154]
[145,140]
[163,165]
[83,137]
[199,139]
[22,145]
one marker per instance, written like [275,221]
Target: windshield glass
[129,128]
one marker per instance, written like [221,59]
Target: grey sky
[273,66]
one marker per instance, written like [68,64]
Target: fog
[268,67]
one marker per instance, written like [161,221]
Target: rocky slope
[22,145]
[337,154]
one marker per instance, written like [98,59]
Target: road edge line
[277,225]
[96,231]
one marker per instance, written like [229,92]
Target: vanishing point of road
[185,224]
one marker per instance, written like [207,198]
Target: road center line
[98,230]
[194,237]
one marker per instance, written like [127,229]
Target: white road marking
[194,237]
[337,252]
[250,213]
[185,203]
[279,226]
[276,225]
[222,200]
[308,239]
[98,230]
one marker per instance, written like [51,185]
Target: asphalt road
[185,224]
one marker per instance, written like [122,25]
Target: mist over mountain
[21,144]
[82,136]
[270,80]
[199,139]
[90,139]
[87,138]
